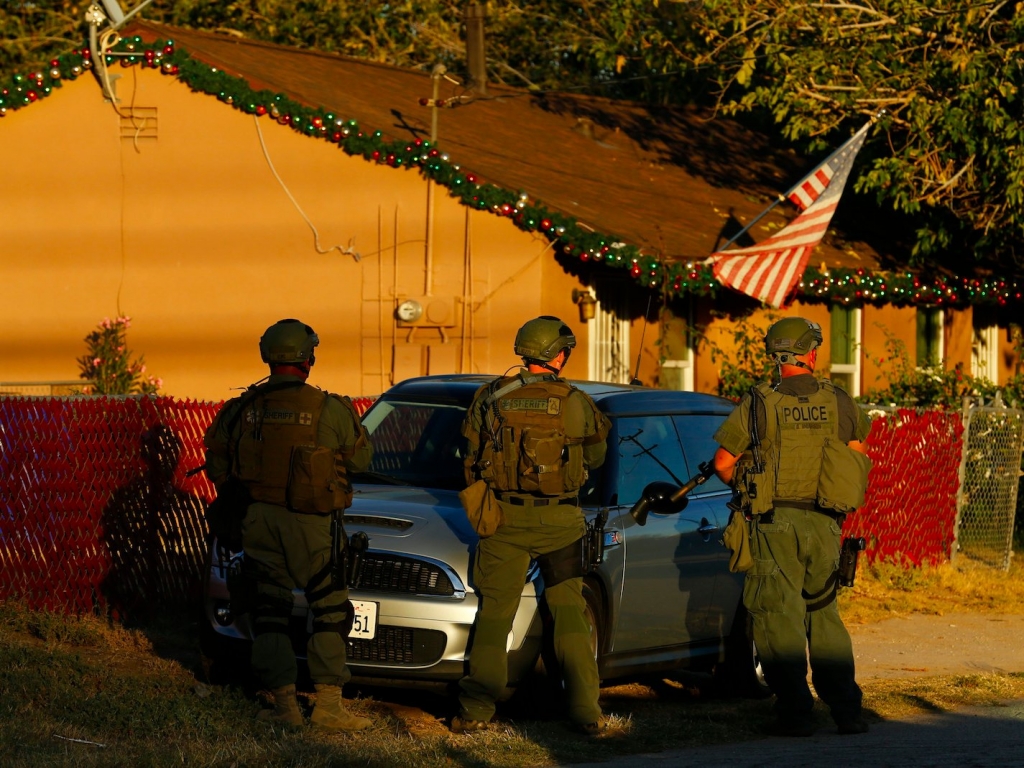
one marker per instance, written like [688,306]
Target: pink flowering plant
[108,363]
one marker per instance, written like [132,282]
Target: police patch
[806,416]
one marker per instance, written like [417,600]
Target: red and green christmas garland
[677,278]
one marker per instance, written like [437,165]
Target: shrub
[108,363]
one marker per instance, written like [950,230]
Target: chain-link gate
[989,471]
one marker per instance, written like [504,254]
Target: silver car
[662,598]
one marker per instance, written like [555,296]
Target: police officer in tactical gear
[795,541]
[532,437]
[292,446]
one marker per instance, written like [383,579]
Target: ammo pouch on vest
[276,453]
[752,491]
[525,447]
[843,478]
[314,483]
[482,508]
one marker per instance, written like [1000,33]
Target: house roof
[666,179]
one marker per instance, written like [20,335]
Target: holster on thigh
[562,564]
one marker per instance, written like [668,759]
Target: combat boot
[329,712]
[286,708]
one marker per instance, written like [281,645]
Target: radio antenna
[636,382]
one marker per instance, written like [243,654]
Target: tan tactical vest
[524,445]
[277,456]
[796,431]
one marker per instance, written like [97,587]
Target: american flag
[770,270]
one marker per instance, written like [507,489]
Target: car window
[417,443]
[647,449]
[696,431]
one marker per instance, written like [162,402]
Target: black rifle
[642,508]
[339,559]
[757,468]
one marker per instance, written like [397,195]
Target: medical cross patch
[305,419]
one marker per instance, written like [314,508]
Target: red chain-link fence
[98,504]
[909,514]
[98,509]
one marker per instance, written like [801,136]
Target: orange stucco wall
[191,235]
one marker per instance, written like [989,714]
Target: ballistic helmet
[791,336]
[543,338]
[288,341]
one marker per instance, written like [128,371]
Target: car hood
[421,522]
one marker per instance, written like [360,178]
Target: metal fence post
[965,415]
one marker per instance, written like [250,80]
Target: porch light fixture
[585,300]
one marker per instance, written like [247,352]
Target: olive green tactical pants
[499,575]
[795,554]
[288,549]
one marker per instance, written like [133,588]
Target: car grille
[394,573]
[399,645]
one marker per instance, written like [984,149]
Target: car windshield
[415,443]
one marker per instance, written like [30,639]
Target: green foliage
[745,363]
[946,73]
[108,363]
[914,386]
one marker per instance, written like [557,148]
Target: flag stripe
[769,270]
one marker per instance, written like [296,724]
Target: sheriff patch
[549,405]
[284,417]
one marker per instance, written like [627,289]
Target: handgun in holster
[593,542]
[848,553]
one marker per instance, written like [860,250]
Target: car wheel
[740,673]
[594,613]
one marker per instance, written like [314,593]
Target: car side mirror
[660,497]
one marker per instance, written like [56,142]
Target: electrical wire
[316,235]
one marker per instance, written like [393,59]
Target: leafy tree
[32,33]
[947,73]
[743,363]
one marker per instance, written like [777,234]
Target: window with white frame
[608,350]
[930,349]
[677,349]
[985,352]
[845,348]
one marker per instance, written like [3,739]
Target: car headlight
[222,614]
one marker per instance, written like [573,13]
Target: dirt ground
[921,645]
[917,645]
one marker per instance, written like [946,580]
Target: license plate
[364,621]
[364,625]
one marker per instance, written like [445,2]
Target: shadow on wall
[155,534]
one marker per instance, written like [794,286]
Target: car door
[696,433]
[669,564]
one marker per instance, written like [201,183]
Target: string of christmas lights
[674,277]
